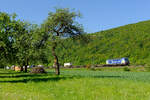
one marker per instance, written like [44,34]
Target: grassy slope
[131,41]
[75,85]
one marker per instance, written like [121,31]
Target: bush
[147,69]
[126,69]
[87,66]
[38,70]
[93,69]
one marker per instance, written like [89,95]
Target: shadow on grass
[50,76]
[9,72]
[37,80]
[57,78]
[24,75]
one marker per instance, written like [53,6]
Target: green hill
[132,41]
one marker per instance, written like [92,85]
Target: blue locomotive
[121,61]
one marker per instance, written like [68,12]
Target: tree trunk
[56,63]
[26,67]
[14,68]
[21,68]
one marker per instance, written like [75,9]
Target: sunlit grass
[75,85]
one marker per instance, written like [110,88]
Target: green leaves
[62,23]
[16,37]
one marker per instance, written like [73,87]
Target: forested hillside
[22,43]
[132,41]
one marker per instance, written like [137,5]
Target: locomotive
[121,61]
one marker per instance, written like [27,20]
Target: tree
[16,41]
[7,29]
[24,43]
[60,25]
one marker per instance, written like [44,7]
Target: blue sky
[97,14]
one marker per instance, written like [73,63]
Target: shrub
[88,66]
[93,69]
[147,69]
[126,69]
[38,70]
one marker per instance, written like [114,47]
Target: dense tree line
[23,43]
[52,42]
[130,41]
[16,41]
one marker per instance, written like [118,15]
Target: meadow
[75,84]
[22,44]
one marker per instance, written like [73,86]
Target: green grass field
[75,84]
